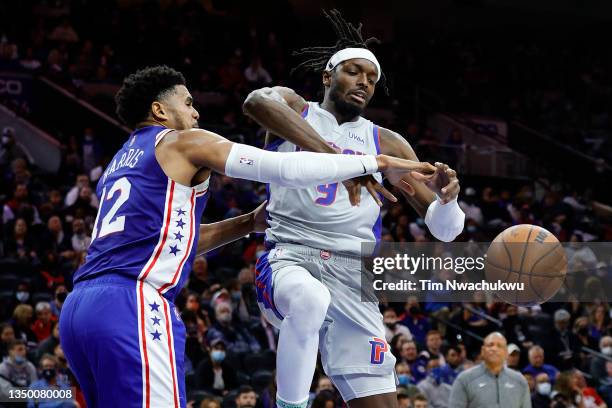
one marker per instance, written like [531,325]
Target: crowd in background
[230,350]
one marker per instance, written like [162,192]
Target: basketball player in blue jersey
[308,283]
[119,328]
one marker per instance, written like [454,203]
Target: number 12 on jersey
[110,224]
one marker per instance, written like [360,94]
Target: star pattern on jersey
[180,224]
[174,249]
[180,212]
[156,335]
[154,307]
[155,320]
[178,235]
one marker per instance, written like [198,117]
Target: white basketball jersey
[322,217]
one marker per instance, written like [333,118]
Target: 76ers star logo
[379,347]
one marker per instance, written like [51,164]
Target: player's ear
[158,111]
[327,78]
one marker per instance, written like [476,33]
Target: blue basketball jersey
[147,226]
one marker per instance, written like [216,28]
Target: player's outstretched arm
[203,149]
[220,233]
[442,214]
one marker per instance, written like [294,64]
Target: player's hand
[397,169]
[260,224]
[353,186]
[443,182]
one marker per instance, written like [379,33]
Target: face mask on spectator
[217,356]
[607,351]
[471,229]
[236,296]
[48,373]
[403,379]
[543,388]
[224,317]
[19,360]
[23,296]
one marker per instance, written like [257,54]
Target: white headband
[350,53]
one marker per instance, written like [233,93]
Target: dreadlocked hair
[348,36]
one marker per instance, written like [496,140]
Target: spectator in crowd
[435,390]
[530,382]
[44,322]
[256,74]
[540,398]
[199,281]
[392,325]
[210,403]
[536,364]
[451,369]
[566,391]
[514,357]
[22,322]
[479,386]
[215,374]
[237,338]
[55,238]
[20,206]
[403,399]
[605,389]
[434,346]
[82,180]
[415,320]
[419,401]
[246,398]
[16,370]
[49,380]
[80,237]
[47,345]
[590,397]
[416,362]
[324,399]
[598,364]
[58,300]
[20,245]
[82,207]
[7,335]
[599,321]
[404,379]
[563,345]
[10,148]
[470,207]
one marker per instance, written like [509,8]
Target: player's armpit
[416,192]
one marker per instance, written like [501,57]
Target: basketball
[528,255]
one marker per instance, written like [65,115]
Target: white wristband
[445,221]
[296,169]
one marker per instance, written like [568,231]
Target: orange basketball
[530,256]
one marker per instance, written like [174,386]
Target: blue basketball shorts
[125,344]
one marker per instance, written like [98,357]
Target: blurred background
[515,95]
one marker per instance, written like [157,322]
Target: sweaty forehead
[363,64]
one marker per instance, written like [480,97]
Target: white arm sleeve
[445,222]
[296,169]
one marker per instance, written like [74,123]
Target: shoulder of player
[394,144]
[471,374]
[188,139]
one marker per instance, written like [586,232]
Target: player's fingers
[386,193]
[406,187]
[421,177]
[451,173]
[373,193]
[353,192]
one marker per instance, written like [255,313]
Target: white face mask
[543,388]
[607,351]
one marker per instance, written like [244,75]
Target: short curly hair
[141,89]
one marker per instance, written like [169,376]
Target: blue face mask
[19,360]
[403,379]
[217,356]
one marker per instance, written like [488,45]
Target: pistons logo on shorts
[379,348]
[325,255]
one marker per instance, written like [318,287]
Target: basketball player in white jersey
[308,283]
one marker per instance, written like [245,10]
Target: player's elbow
[253,101]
